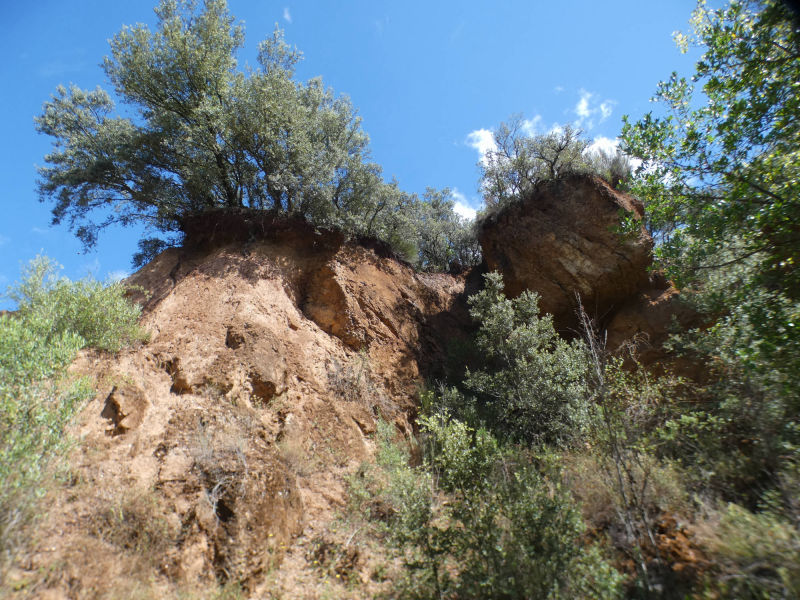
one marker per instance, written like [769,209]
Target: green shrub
[476,520]
[98,313]
[534,384]
[56,318]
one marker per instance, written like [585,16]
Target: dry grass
[593,483]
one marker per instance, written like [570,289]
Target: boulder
[562,242]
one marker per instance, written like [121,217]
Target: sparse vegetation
[55,319]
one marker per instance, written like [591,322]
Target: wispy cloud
[591,111]
[4,239]
[558,89]
[60,68]
[118,275]
[40,230]
[462,205]
[287,15]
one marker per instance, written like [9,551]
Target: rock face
[561,241]
[229,434]
[643,324]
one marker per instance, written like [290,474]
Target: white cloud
[462,207]
[591,111]
[608,146]
[606,109]
[532,126]
[558,89]
[118,275]
[483,141]
[287,16]
[40,230]
[582,107]
[4,239]
[602,144]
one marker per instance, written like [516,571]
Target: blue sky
[430,80]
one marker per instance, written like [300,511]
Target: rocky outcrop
[217,450]
[562,242]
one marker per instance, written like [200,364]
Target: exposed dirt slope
[218,450]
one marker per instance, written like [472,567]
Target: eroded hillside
[219,450]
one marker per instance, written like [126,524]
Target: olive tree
[199,134]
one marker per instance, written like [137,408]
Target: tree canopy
[726,168]
[205,134]
[522,158]
[721,172]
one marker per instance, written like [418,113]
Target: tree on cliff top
[205,135]
[520,159]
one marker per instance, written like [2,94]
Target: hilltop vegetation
[208,135]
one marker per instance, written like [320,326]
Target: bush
[533,386]
[56,318]
[479,521]
[98,313]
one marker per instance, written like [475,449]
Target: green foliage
[721,173]
[615,166]
[479,521]
[521,159]
[721,185]
[757,555]
[534,384]
[56,318]
[98,313]
[445,238]
[206,135]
